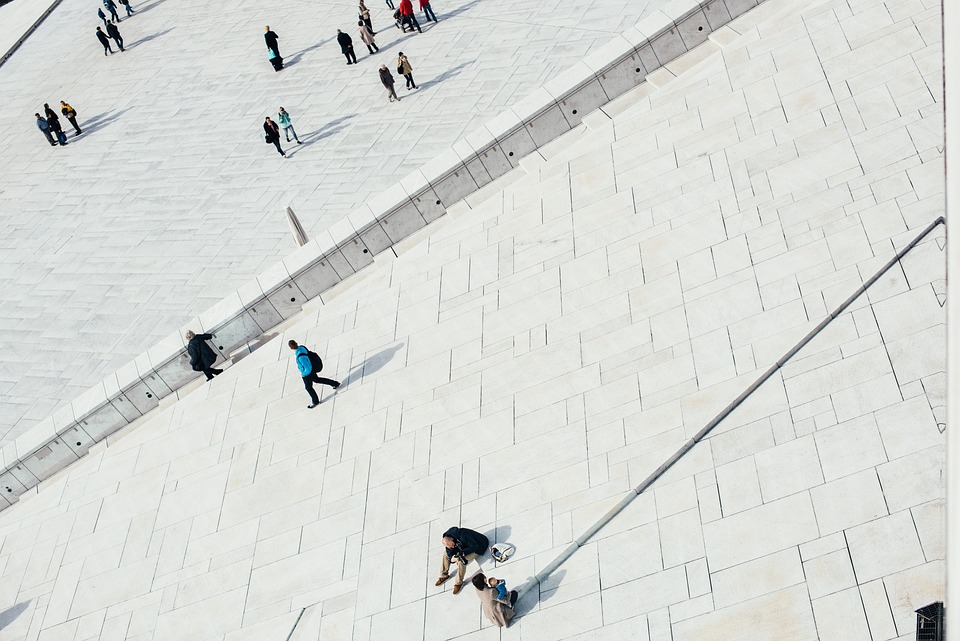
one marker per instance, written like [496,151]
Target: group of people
[113,32]
[271,130]
[49,123]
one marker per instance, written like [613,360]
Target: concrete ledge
[392,217]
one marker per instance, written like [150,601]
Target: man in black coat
[460,545]
[271,39]
[202,357]
[54,122]
[104,40]
[115,33]
[346,47]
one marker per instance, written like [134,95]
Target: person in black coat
[271,134]
[202,357]
[54,121]
[104,40]
[346,47]
[271,39]
[460,545]
[115,34]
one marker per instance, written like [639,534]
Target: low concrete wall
[350,245]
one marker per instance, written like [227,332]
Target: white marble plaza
[173,200]
[533,355]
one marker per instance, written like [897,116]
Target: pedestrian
[427,11]
[44,128]
[367,36]
[309,363]
[390,4]
[275,59]
[54,121]
[407,15]
[365,16]
[287,125]
[202,356]
[111,6]
[460,545]
[126,5]
[102,16]
[271,39]
[499,611]
[115,34]
[104,40]
[346,47]
[406,70]
[387,79]
[272,134]
[71,115]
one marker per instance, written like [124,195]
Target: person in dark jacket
[308,364]
[346,47]
[460,545]
[54,121]
[271,39]
[102,16]
[71,115]
[115,34]
[111,6]
[387,79]
[202,356]
[271,134]
[104,40]
[427,11]
[44,128]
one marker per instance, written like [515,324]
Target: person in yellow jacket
[71,115]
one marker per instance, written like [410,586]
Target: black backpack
[315,361]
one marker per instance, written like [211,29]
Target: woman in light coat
[404,67]
[497,612]
[367,36]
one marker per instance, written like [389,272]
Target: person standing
[365,16]
[71,115]
[346,47]
[54,121]
[111,6]
[272,134]
[115,34]
[460,545]
[287,125]
[102,16]
[386,78]
[104,40]
[390,4]
[497,608]
[404,67]
[126,5]
[367,36]
[271,39]
[308,363]
[44,128]
[428,13]
[202,356]
[407,15]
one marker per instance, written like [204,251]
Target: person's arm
[204,337]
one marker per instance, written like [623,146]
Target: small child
[502,593]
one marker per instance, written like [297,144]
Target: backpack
[315,361]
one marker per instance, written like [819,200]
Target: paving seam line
[581,540]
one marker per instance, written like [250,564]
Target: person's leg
[346,54]
[294,132]
[308,385]
[276,143]
[120,43]
[513,597]
[462,568]
[353,55]
[393,92]
[209,374]
[444,566]
[413,82]
[73,121]
[413,19]
[432,14]
[326,381]
[49,138]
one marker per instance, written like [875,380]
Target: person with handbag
[271,39]
[405,69]
[386,78]
[271,135]
[202,356]
[346,47]
[365,16]
[71,115]
[308,364]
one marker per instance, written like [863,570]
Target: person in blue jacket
[44,128]
[309,364]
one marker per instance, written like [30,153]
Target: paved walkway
[170,199]
[527,360]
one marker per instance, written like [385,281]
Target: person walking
[271,39]
[71,115]
[126,5]
[44,128]
[202,356]
[460,545]
[390,4]
[272,134]
[111,6]
[309,363]
[367,36]
[104,40]
[386,78]
[115,34]
[407,15]
[287,125]
[428,13]
[54,121]
[365,16]
[405,69]
[102,16]
[346,47]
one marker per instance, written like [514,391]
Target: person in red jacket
[407,15]
[428,13]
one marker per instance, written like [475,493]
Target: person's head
[63,102]
[38,116]
[383,67]
[449,543]
[46,105]
[267,28]
[400,54]
[282,110]
[189,335]
[292,344]
[493,582]
[360,23]
[338,31]
[479,581]
[99,29]
[267,119]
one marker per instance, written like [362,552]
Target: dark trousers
[373,48]
[412,22]
[276,143]
[106,48]
[390,4]
[113,14]
[119,42]
[73,121]
[428,13]
[350,56]
[308,382]
[369,23]
[46,132]
[210,372]
[410,82]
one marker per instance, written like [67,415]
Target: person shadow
[145,8]
[98,122]
[446,75]
[12,613]
[146,39]
[333,127]
[295,58]
[370,365]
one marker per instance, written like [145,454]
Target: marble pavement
[171,200]
[527,359]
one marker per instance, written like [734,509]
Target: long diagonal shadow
[12,613]
[295,58]
[152,36]
[371,365]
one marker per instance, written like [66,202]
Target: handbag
[400,69]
